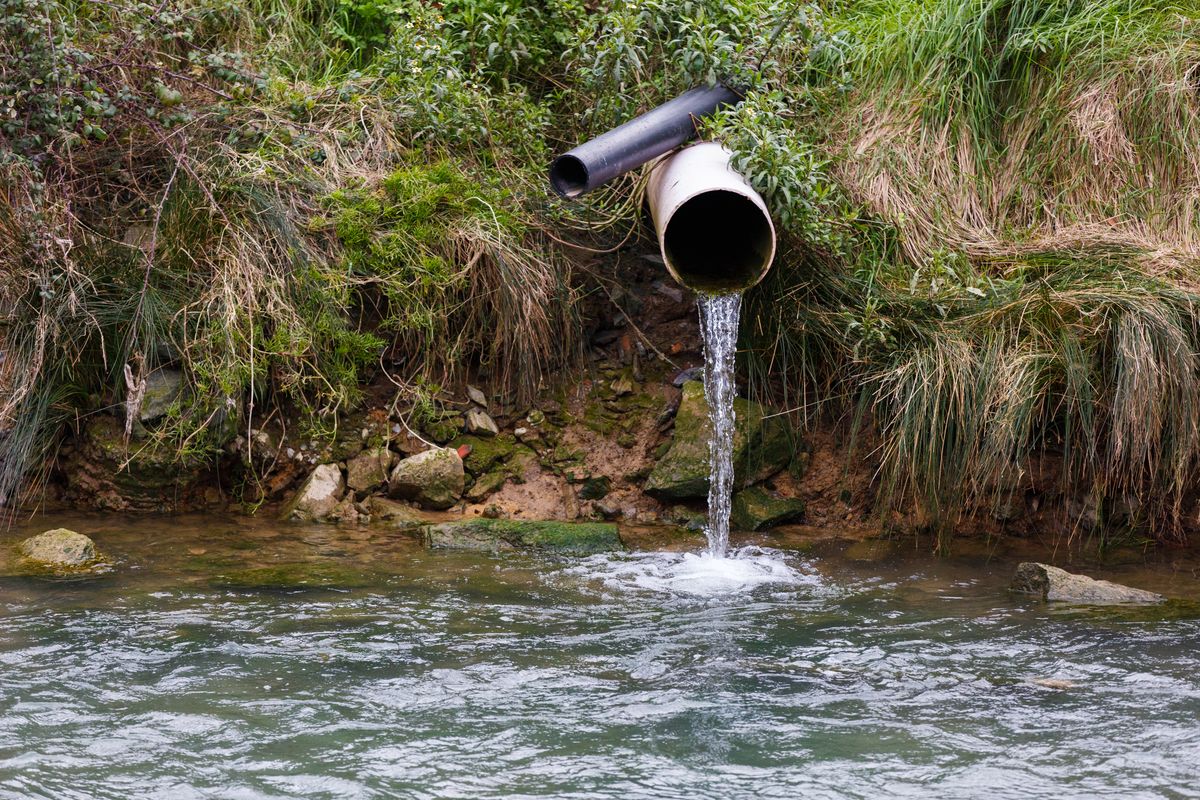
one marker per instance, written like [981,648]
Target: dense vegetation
[991,207]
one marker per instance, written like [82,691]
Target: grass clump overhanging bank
[1020,279]
[990,207]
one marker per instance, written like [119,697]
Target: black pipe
[632,144]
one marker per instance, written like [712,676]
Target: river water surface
[397,672]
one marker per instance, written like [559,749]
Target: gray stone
[368,469]
[1052,583]
[762,445]
[59,547]
[575,538]
[434,479]
[480,424]
[319,495]
[477,397]
[163,387]
[756,509]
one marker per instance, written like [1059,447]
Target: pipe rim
[569,175]
[755,264]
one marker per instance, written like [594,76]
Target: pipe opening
[718,241]
[568,176]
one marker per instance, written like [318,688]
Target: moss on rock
[573,538]
[756,509]
[762,445]
[486,451]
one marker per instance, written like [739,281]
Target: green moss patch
[570,538]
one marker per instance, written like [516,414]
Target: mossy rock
[444,429]
[568,538]
[486,484]
[145,475]
[486,451]
[60,547]
[762,445]
[522,460]
[56,555]
[292,576]
[756,509]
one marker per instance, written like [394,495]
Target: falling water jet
[716,238]
[719,325]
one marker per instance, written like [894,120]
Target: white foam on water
[694,574]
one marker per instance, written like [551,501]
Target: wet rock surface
[391,514]
[1054,584]
[571,538]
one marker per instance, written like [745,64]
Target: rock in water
[434,479]
[59,547]
[480,424]
[574,538]
[762,446]
[390,514]
[1052,583]
[756,509]
[319,495]
[368,469]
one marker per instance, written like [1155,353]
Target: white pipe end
[714,231]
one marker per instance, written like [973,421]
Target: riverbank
[290,231]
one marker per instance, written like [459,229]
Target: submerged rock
[319,495]
[1052,583]
[390,514]
[756,509]
[60,547]
[761,447]
[434,479]
[291,577]
[574,538]
[368,469]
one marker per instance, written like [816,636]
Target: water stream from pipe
[719,325]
